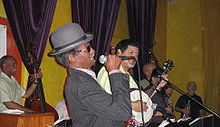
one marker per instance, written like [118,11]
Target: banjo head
[149,113]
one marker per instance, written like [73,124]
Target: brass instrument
[187,107]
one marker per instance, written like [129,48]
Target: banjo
[135,96]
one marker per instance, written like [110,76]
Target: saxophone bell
[187,107]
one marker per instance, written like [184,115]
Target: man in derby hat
[89,104]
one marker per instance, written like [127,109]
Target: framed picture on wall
[3,39]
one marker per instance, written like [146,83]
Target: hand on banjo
[136,106]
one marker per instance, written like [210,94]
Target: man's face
[191,87]
[154,80]
[85,56]
[10,67]
[130,51]
[169,91]
[148,69]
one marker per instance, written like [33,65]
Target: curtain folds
[98,17]
[211,74]
[141,26]
[30,21]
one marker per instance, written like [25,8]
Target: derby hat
[67,37]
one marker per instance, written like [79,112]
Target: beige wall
[211,58]
[179,38]
[184,42]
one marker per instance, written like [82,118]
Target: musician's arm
[13,105]
[178,109]
[169,107]
[181,110]
[152,90]
[30,90]
[136,106]
[201,112]
[35,78]
[157,113]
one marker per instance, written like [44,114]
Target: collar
[123,70]
[88,71]
[4,76]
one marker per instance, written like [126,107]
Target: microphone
[103,58]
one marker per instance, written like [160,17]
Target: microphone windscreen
[102,59]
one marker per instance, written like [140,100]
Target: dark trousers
[153,125]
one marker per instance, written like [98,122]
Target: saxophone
[187,107]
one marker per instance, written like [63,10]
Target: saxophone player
[186,106]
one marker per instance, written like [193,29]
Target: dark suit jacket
[91,106]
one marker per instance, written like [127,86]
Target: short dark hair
[3,59]
[123,44]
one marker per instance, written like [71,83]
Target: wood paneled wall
[12,48]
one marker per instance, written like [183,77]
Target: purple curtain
[98,17]
[30,21]
[141,25]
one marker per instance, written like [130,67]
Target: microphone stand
[140,92]
[183,93]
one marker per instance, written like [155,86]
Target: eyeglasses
[87,49]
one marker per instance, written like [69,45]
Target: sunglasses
[87,49]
